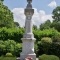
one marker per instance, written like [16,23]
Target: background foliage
[6,17]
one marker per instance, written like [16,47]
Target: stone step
[19,58]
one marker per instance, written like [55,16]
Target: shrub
[46,46]
[18,49]
[45,33]
[55,49]
[11,33]
[56,38]
[46,40]
[2,48]
[10,46]
[46,43]
[48,57]
[17,34]
[9,55]
[7,58]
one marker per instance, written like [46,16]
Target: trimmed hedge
[48,57]
[9,55]
[7,58]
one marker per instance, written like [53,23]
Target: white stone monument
[28,37]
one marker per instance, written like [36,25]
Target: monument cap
[29,1]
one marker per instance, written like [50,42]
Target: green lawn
[7,58]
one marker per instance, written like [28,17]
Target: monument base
[20,59]
[23,56]
[28,49]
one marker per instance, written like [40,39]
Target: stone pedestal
[28,48]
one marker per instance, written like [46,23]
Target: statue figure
[29,1]
[29,6]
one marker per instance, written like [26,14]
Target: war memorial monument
[28,37]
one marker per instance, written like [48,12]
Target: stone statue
[29,1]
[29,5]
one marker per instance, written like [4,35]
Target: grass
[7,58]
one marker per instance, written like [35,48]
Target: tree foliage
[11,33]
[1,0]
[56,25]
[6,17]
[56,14]
[45,25]
[56,19]
[10,46]
[34,27]
[16,24]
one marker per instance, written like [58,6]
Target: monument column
[28,37]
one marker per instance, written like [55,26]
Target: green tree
[1,1]
[34,27]
[56,25]
[6,16]
[45,25]
[16,24]
[56,14]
